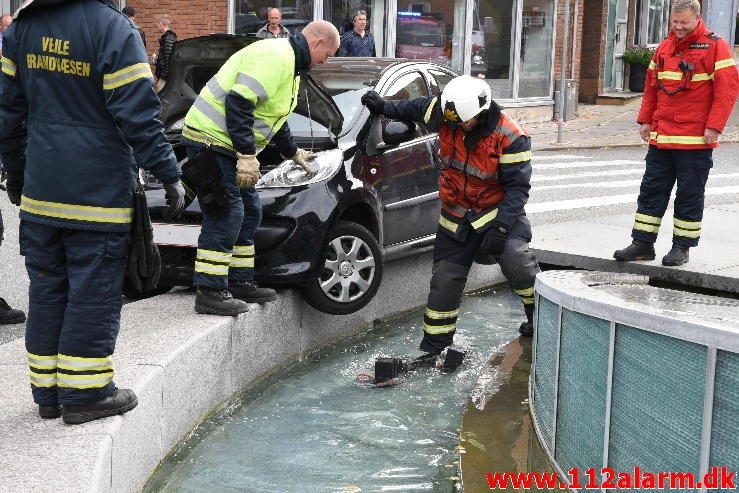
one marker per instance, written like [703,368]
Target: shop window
[497,20]
[537,24]
[251,15]
[431,30]
[653,19]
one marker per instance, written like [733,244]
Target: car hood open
[195,60]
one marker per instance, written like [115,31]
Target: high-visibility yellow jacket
[248,101]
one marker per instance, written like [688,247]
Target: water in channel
[311,428]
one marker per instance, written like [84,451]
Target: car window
[441,78]
[407,86]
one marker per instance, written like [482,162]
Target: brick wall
[576,32]
[592,59]
[190,18]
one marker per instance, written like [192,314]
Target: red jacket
[486,173]
[679,117]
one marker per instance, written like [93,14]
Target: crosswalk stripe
[593,164]
[610,172]
[540,157]
[619,184]
[561,205]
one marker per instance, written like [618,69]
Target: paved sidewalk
[605,126]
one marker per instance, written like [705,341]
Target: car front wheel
[351,274]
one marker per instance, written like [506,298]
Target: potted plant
[638,58]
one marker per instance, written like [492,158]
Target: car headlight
[289,174]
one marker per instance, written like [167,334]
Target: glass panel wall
[498,30]
[536,48]
[251,15]
[341,14]
[431,30]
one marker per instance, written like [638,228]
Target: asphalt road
[566,185]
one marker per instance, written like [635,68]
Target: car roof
[374,65]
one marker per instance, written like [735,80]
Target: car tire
[352,271]
[130,292]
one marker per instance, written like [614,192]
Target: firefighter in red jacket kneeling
[689,93]
[483,186]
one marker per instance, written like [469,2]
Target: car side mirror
[394,134]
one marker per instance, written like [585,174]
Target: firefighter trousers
[74,311]
[226,244]
[452,262]
[689,168]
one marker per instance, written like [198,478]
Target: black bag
[201,174]
[144,263]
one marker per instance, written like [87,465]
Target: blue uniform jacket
[78,114]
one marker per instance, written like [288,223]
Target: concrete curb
[183,366]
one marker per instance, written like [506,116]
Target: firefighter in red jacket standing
[483,186]
[690,90]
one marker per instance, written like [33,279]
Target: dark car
[372,195]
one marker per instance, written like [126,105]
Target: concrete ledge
[183,366]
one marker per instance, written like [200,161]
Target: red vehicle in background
[422,36]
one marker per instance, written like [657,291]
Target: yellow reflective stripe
[686,233]
[643,218]
[648,228]
[243,250]
[213,255]
[126,75]
[524,292]
[726,62]
[84,381]
[479,223]
[450,225]
[700,77]
[79,363]
[242,262]
[429,110]
[669,75]
[437,315]
[9,66]
[652,135]
[77,212]
[686,224]
[652,65]
[42,362]
[43,379]
[528,301]
[95,367]
[681,139]
[82,359]
[438,329]
[515,158]
[197,136]
[216,270]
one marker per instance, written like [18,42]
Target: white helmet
[464,97]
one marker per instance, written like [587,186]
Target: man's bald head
[323,41]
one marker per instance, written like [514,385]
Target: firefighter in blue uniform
[77,116]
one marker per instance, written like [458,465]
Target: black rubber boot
[434,344]
[119,402]
[250,292]
[676,256]
[218,302]
[10,315]
[527,328]
[49,412]
[638,250]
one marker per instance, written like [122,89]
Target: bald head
[323,40]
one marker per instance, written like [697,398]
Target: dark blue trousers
[74,311]
[226,244]
[689,168]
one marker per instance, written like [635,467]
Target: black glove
[144,262]
[373,102]
[495,238]
[175,197]
[15,187]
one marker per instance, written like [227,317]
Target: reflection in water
[497,434]
[311,428]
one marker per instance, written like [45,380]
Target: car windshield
[346,88]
